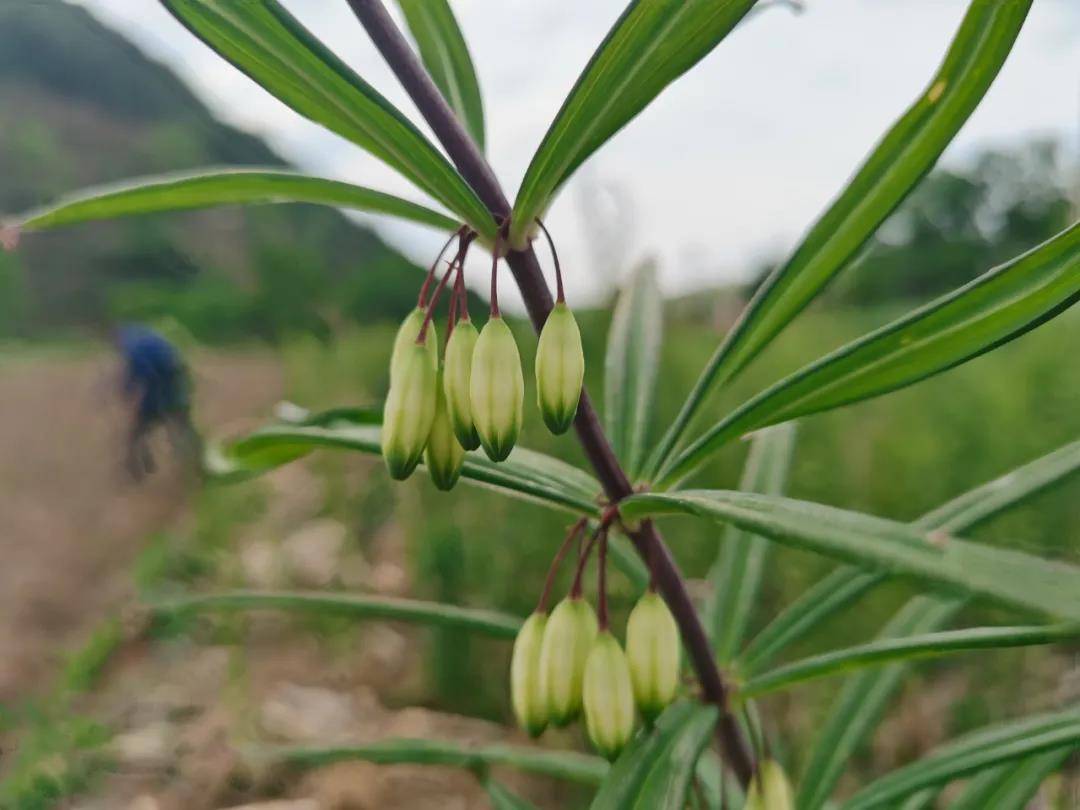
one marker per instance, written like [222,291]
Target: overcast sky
[728,166]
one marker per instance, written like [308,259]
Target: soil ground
[71,521]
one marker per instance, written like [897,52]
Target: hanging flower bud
[409,411]
[560,368]
[652,648]
[406,338]
[530,702]
[568,638]
[456,375]
[769,789]
[444,456]
[608,696]
[496,389]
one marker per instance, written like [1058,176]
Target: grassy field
[897,456]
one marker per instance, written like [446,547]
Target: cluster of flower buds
[569,663]
[475,397]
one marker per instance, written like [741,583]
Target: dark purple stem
[421,300]
[601,584]
[549,583]
[579,573]
[560,293]
[495,275]
[735,748]
[459,260]
[461,294]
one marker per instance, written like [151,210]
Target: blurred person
[157,387]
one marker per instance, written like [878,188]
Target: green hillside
[81,105]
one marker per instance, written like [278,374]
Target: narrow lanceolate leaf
[984,749]
[845,585]
[995,308]
[736,574]
[983,503]
[825,598]
[935,558]
[572,767]
[631,364]
[651,44]
[664,755]
[526,474]
[489,622]
[862,702]
[205,189]
[503,799]
[904,155]
[446,57]
[264,41]
[1010,786]
[863,699]
[927,645]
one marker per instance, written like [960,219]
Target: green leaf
[863,699]
[709,780]
[526,474]
[983,503]
[885,650]
[906,153]
[668,782]
[845,585]
[502,799]
[984,749]
[934,558]
[651,44]
[736,574]
[1011,786]
[572,767]
[921,801]
[828,596]
[655,769]
[862,702]
[205,189]
[446,57]
[631,365]
[488,622]
[268,44]
[997,307]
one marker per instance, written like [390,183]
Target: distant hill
[80,105]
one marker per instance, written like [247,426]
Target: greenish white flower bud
[406,337]
[560,369]
[444,455]
[608,696]
[769,789]
[457,372]
[528,698]
[409,411]
[568,638]
[496,389]
[652,648]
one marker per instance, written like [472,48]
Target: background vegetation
[289,276]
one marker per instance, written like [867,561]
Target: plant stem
[421,299]
[601,583]
[495,275]
[372,14]
[571,536]
[560,293]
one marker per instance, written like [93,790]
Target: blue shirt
[154,370]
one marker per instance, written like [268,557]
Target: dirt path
[70,522]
